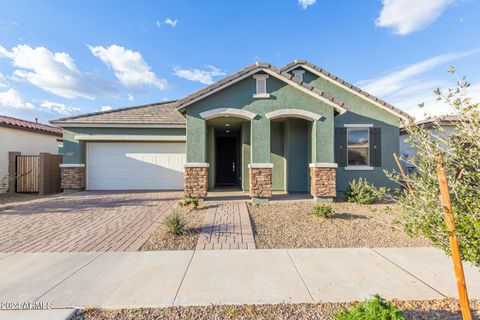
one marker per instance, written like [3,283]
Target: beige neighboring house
[27,137]
[447,122]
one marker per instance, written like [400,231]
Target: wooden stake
[457,261]
[404,176]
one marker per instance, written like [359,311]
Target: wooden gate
[27,174]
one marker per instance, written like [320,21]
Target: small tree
[421,209]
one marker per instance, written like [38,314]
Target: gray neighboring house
[263,129]
[407,151]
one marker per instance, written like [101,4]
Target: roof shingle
[349,85]
[157,113]
[29,125]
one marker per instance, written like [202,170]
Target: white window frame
[298,75]
[352,167]
[258,78]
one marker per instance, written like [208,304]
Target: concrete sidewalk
[156,279]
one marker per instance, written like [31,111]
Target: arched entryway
[290,145]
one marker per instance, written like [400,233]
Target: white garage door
[135,165]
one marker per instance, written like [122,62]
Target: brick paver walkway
[85,221]
[226,227]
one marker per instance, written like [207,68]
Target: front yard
[447,309]
[161,239]
[292,225]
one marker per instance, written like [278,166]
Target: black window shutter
[375,147]
[341,146]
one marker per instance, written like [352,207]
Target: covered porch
[283,154]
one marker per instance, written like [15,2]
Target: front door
[226,161]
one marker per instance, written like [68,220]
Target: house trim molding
[227,112]
[294,113]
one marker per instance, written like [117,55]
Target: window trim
[357,166]
[258,78]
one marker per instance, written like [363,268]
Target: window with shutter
[375,147]
[341,146]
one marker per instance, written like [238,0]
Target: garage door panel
[129,166]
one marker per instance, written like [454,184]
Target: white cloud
[129,66]
[106,108]
[13,99]
[3,81]
[171,22]
[130,97]
[403,79]
[414,84]
[202,76]
[306,3]
[55,73]
[158,24]
[407,16]
[59,108]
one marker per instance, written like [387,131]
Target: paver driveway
[85,221]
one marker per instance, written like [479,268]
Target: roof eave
[355,90]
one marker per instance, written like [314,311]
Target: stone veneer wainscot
[323,180]
[72,176]
[196,180]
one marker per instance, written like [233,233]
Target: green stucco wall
[363,112]
[74,150]
[277,155]
[297,154]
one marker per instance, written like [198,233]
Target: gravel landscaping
[447,309]
[292,225]
[161,239]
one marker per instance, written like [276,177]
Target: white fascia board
[119,137]
[248,74]
[312,70]
[117,125]
[72,165]
[309,92]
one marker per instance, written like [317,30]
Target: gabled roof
[342,83]
[339,105]
[151,114]
[30,126]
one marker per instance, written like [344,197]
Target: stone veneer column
[72,176]
[260,182]
[323,185]
[196,180]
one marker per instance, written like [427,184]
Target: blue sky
[60,58]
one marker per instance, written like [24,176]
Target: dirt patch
[447,309]
[9,201]
[161,239]
[292,225]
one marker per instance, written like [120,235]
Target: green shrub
[190,201]
[363,192]
[175,223]
[323,210]
[376,308]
